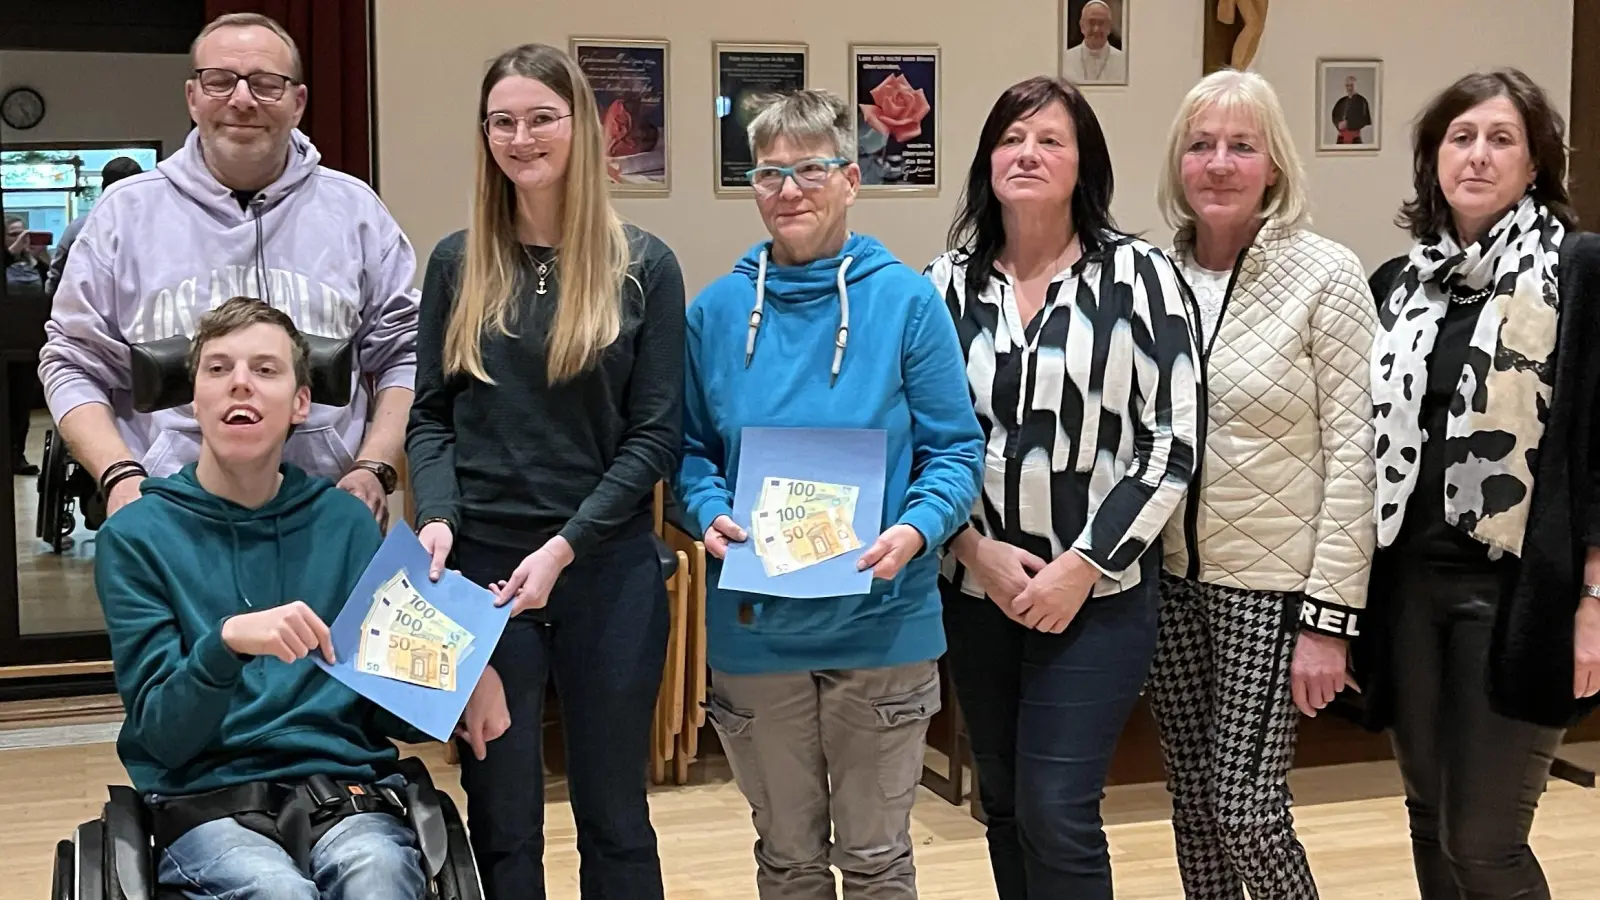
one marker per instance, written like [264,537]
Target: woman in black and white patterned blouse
[1081,362]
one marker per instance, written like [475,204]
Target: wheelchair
[160,381]
[112,857]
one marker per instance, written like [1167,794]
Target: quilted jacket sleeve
[1342,325]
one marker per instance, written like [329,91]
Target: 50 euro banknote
[408,658]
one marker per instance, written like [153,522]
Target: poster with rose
[896,91]
[632,91]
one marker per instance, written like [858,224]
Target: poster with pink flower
[896,92]
[632,92]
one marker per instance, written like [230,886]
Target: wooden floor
[1351,819]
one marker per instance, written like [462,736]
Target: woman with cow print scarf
[1482,637]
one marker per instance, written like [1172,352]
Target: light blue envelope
[430,710]
[834,455]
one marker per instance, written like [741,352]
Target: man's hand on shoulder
[366,487]
[289,632]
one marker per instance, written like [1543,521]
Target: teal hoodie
[169,568]
[901,370]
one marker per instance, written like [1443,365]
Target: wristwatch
[386,474]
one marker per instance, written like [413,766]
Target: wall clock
[22,108]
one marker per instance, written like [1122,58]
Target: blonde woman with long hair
[549,397]
[1267,560]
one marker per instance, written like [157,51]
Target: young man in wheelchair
[264,776]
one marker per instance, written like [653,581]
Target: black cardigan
[1531,655]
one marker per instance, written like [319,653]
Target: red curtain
[332,38]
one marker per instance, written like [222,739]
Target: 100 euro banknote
[800,523]
[399,608]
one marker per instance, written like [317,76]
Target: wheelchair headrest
[161,372]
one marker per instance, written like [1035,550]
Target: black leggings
[1473,777]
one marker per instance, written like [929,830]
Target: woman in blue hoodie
[822,705]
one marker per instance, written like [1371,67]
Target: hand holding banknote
[289,632]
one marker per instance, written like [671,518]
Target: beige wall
[101,96]
[429,66]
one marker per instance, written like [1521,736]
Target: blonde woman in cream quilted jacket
[1267,561]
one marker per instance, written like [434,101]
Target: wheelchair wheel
[458,879]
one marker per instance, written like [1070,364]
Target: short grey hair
[805,117]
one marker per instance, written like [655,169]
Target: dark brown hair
[978,230]
[1427,214]
[240,313]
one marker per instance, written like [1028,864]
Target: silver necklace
[543,267]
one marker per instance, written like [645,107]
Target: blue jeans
[603,639]
[1044,713]
[368,856]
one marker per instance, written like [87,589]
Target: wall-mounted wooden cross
[1233,30]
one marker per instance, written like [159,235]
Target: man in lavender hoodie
[243,208]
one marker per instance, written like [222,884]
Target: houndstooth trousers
[1220,691]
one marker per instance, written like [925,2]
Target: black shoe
[21,466]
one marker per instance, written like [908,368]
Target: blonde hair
[247,20]
[593,257]
[1285,203]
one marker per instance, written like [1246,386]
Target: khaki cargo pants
[829,761]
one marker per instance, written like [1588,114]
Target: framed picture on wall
[748,77]
[895,88]
[1093,41]
[633,89]
[1349,105]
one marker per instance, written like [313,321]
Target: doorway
[96,87]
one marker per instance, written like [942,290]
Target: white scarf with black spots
[1502,399]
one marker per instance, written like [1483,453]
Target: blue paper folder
[835,455]
[430,710]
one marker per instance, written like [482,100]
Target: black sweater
[518,462]
[1531,653]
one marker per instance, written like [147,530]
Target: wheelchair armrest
[426,814]
[128,848]
[160,372]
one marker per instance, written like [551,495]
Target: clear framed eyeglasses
[543,124]
[808,175]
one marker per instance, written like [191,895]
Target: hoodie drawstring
[277,545]
[755,314]
[263,277]
[841,336]
[238,584]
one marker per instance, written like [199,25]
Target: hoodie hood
[288,516]
[861,256]
[814,282]
[187,171]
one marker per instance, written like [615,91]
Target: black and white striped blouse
[1091,412]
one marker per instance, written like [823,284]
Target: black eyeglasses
[268,87]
